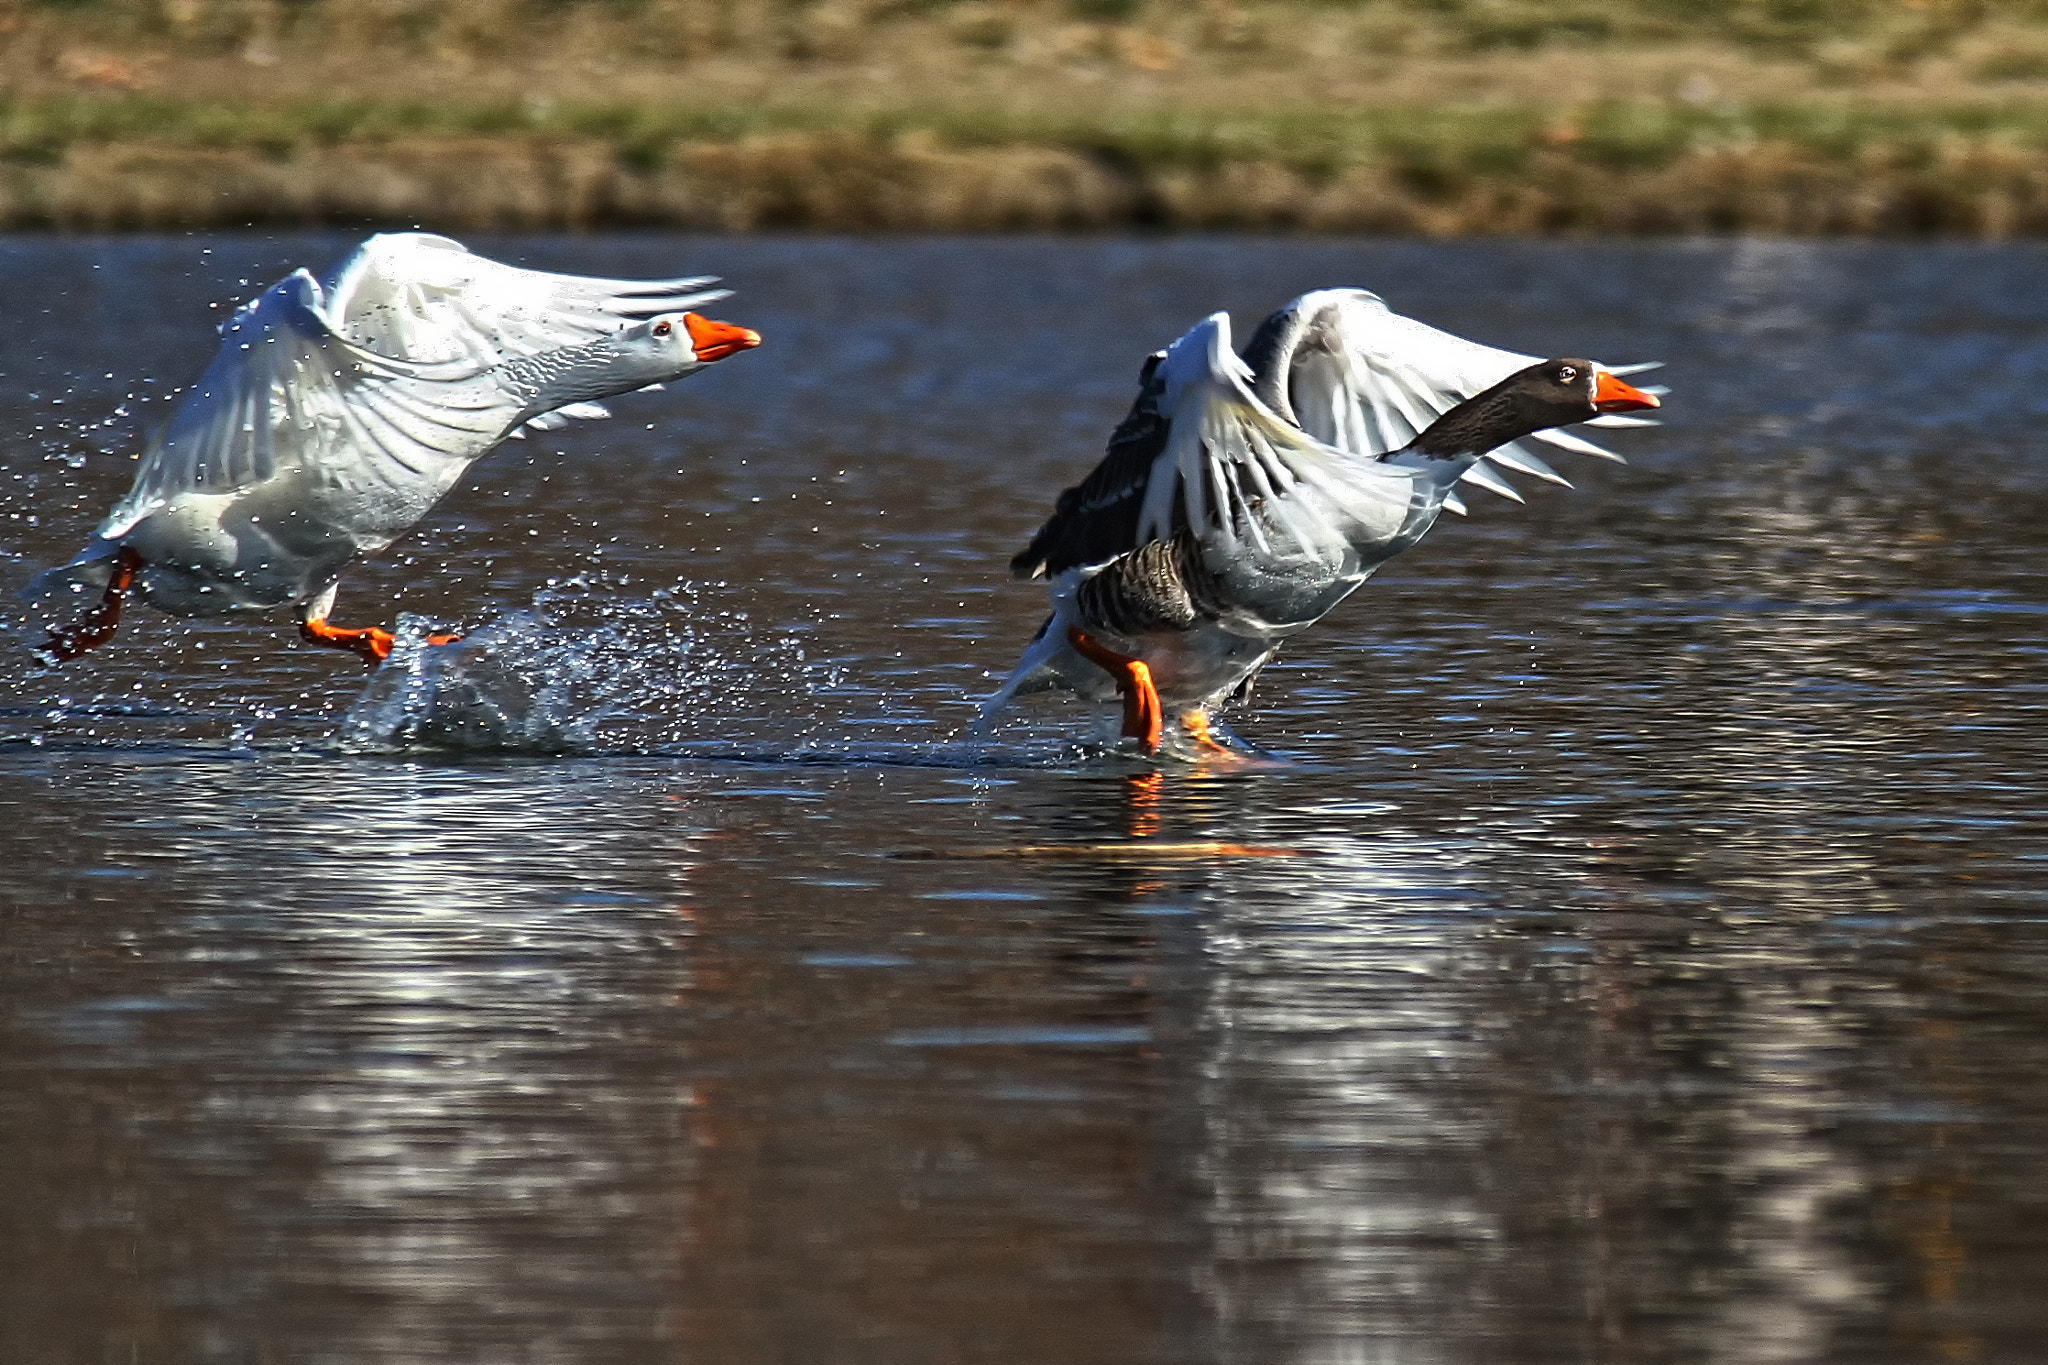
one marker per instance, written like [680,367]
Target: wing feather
[415,296]
[1200,451]
[1525,462]
[1367,380]
[1361,356]
[286,393]
[1579,445]
[1482,475]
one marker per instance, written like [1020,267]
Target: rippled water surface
[1639,952]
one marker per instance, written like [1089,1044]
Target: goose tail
[1032,673]
[62,594]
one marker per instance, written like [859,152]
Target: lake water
[1644,956]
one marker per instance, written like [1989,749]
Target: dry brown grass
[1031,53]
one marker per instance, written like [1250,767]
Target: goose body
[1243,498]
[339,410]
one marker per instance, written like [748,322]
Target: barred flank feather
[1163,585]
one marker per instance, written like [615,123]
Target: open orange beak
[1611,395]
[717,340]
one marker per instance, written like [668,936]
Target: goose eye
[662,329]
[1568,373]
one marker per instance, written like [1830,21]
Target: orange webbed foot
[373,643]
[1208,749]
[1144,717]
[97,626]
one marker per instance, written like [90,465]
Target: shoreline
[110,164]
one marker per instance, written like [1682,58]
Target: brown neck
[1473,427]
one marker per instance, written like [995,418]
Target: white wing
[287,394]
[1230,467]
[415,296]
[1374,379]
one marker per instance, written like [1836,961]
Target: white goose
[1241,500]
[340,410]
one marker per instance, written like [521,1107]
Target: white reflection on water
[422,1002]
[1372,1046]
[1329,1007]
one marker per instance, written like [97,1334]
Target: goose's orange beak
[717,340]
[1611,395]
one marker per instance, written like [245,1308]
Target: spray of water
[583,670]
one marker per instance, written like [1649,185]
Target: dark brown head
[1552,393]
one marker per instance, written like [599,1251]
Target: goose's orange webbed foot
[1144,717]
[1195,725]
[372,642]
[97,626]
[1213,752]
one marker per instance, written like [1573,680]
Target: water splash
[509,686]
[582,671]
[588,670]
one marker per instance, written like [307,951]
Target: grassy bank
[138,162]
[1408,116]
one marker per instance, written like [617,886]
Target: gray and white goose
[339,410]
[1242,499]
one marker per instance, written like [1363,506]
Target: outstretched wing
[1200,451]
[1097,519]
[415,296]
[1367,380]
[287,393]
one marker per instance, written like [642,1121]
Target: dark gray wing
[1096,519]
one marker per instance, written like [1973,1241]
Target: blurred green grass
[1429,139]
